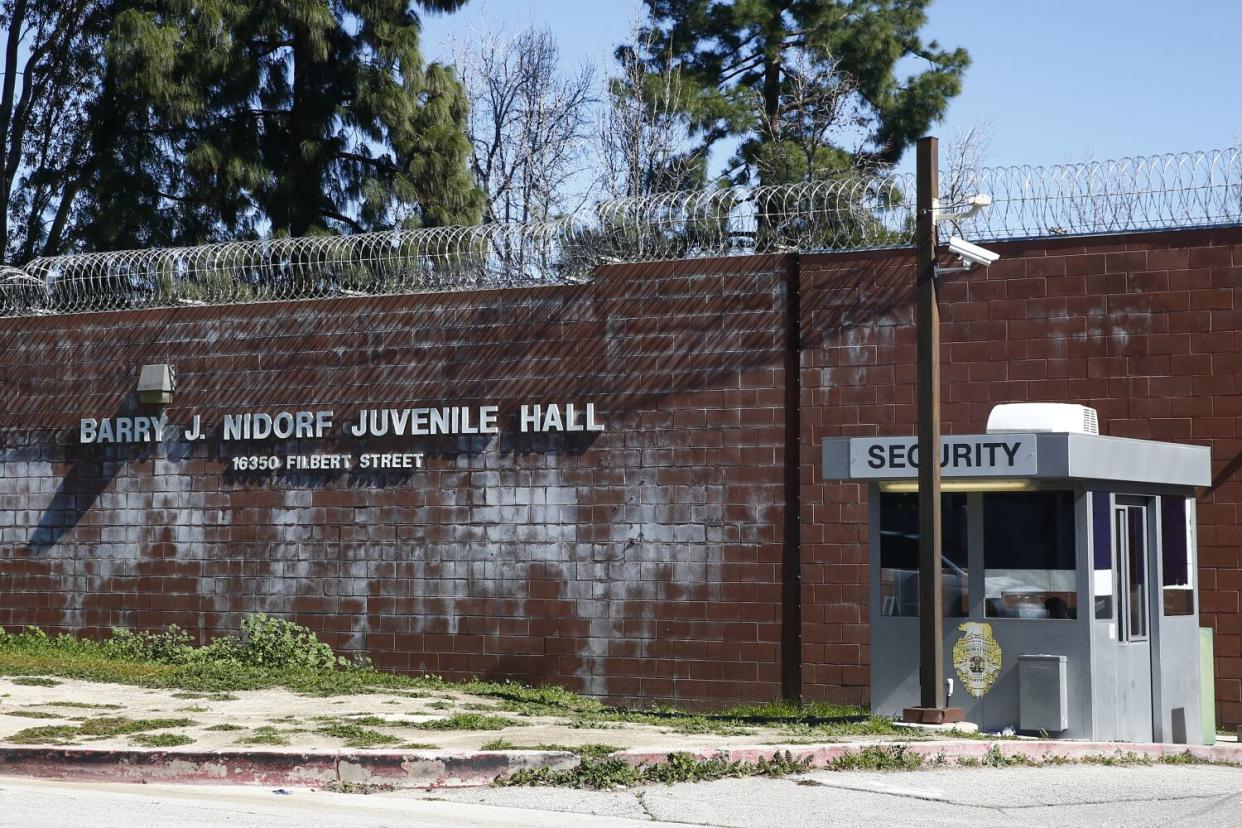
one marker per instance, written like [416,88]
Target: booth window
[1103,575]
[1176,566]
[899,554]
[1028,555]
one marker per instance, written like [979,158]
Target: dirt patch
[441,719]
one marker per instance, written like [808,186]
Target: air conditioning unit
[1061,418]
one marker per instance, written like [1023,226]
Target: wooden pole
[927,324]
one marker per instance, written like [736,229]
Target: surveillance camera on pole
[971,254]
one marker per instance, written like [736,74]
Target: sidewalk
[64,729]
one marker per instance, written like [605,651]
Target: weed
[1184,758]
[193,708]
[207,696]
[172,646]
[1116,759]
[37,681]
[441,705]
[995,759]
[466,721]
[878,757]
[590,750]
[162,740]
[418,746]
[264,736]
[81,705]
[357,736]
[33,714]
[50,735]
[119,725]
[337,786]
[224,727]
[610,772]
[502,744]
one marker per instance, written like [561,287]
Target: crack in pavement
[1218,802]
[642,803]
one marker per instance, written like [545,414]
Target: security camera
[971,254]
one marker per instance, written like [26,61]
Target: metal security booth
[1070,594]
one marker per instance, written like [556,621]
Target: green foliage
[162,740]
[271,642]
[602,773]
[784,79]
[467,721]
[50,735]
[36,681]
[265,736]
[168,122]
[118,725]
[357,736]
[878,757]
[224,727]
[101,728]
[172,646]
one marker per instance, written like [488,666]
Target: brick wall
[643,562]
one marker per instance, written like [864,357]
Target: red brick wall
[645,562]
[1145,328]
[639,562]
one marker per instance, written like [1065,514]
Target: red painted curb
[436,769]
[417,768]
[950,752]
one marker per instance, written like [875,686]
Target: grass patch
[357,736]
[224,728]
[264,736]
[593,750]
[194,708]
[80,705]
[50,735]
[466,721]
[37,681]
[119,725]
[278,654]
[418,746]
[33,714]
[161,740]
[607,773]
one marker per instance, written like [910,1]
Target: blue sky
[1057,80]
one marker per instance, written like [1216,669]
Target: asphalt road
[1056,796]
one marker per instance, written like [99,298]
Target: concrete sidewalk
[440,737]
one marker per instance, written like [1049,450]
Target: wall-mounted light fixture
[156,384]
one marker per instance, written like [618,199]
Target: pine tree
[792,80]
[219,119]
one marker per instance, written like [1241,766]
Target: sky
[1056,81]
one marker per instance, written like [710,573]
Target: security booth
[1069,582]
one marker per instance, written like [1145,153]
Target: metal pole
[927,326]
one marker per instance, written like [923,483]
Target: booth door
[1134,668]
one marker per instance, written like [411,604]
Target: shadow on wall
[89,475]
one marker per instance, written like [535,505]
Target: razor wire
[854,212]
